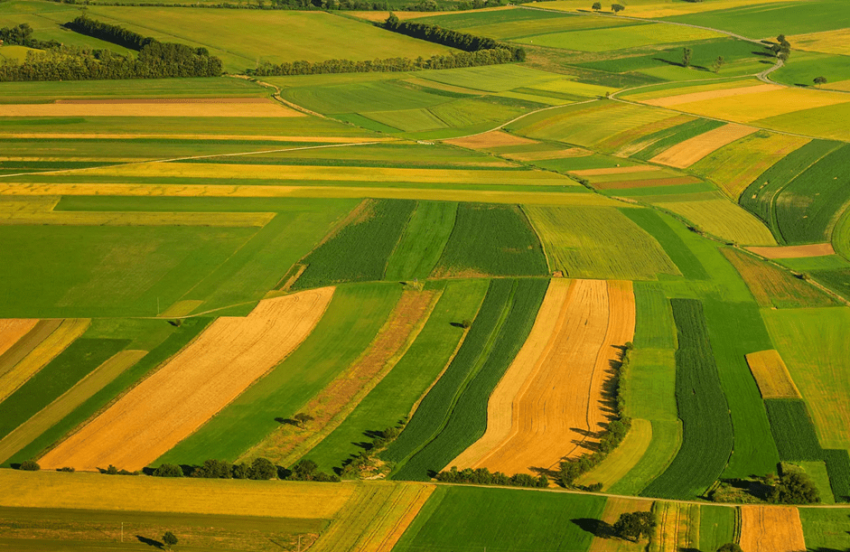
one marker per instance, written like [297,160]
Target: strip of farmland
[167,407]
[771,529]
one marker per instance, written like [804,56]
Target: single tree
[597,6]
[169,539]
[30,465]
[686,57]
[634,525]
[617,8]
[820,81]
[302,418]
[781,38]
[262,469]
[718,63]
[730,547]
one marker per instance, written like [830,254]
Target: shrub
[29,465]
[214,469]
[168,470]
[262,469]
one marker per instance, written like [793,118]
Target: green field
[793,430]
[423,240]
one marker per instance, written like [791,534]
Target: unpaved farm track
[193,386]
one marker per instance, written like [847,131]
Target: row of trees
[22,36]
[109,33]
[616,8]
[450,61]
[782,48]
[358,5]
[454,39]
[482,476]
[261,469]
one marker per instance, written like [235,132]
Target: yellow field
[545,155]
[488,140]
[772,375]
[89,491]
[684,154]
[64,405]
[381,16]
[715,93]
[679,92]
[794,251]
[224,190]
[725,219]
[829,42]
[678,527]
[771,529]
[626,456]
[161,109]
[752,107]
[654,9]
[39,357]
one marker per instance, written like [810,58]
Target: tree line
[356,5]
[22,36]
[155,59]
[453,39]
[450,61]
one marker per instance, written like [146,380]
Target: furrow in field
[193,386]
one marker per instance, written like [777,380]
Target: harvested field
[24,345]
[772,375]
[191,137]
[193,386]
[719,216]
[685,154]
[41,355]
[830,42]
[150,108]
[712,95]
[652,183]
[13,329]
[771,529]
[678,527]
[374,518]
[794,251]
[88,491]
[493,139]
[562,404]
[615,170]
[625,457]
[614,508]
[334,403]
[24,434]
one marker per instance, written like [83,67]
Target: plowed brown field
[195,384]
[772,375]
[333,403]
[684,154]
[771,529]
[12,329]
[561,405]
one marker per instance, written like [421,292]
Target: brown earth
[192,386]
[771,529]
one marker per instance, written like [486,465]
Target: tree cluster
[482,476]
[612,437]
[261,469]
[453,39]
[109,33]
[358,5]
[22,36]
[782,48]
[450,61]
[634,525]
[794,487]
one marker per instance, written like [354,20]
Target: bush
[262,470]
[66,469]
[168,470]
[169,539]
[214,469]
[634,525]
[794,487]
[29,465]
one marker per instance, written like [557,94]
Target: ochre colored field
[493,139]
[771,529]
[655,94]
[64,405]
[752,107]
[651,183]
[614,508]
[626,456]
[149,109]
[331,405]
[794,251]
[12,329]
[829,42]
[152,136]
[630,141]
[88,491]
[685,154]
[656,9]
[195,384]
[41,355]
[561,404]
[25,344]
[678,527]
[772,375]
[670,101]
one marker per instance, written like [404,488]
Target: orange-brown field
[13,329]
[195,384]
[330,407]
[684,154]
[794,251]
[493,139]
[772,375]
[562,405]
[771,529]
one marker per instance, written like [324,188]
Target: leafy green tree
[794,487]
[718,63]
[168,470]
[634,525]
[169,539]
[686,57]
[596,6]
[262,469]
[302,418]
[730,547]
[819,81]
[617,8]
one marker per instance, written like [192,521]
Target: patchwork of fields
[325,300]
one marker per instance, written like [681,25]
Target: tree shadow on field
[551,474]
[595,527]
[679,64]
[150,542]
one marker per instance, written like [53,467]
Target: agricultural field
[424,275]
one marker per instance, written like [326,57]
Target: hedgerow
[707,425]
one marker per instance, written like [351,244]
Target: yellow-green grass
[90,491]
[490,78]
[754,107]
[589,124]
[571,87]
[64,405]
[42,354]
[513,27]
[620,38]
[678,89]
[830,42]
[181,308]
[635,139]
[774,287]
[824,122]
[598,243]
[374,518]
[733,167]
[625,457]
[238,191]
[223,34]
[666,441]
[16,53]
[719,216]
[814,345]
